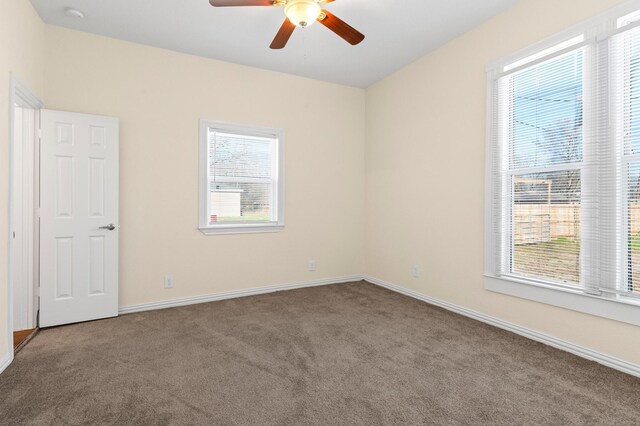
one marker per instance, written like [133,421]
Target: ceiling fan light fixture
[302,13]
[73,13]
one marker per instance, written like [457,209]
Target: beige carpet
[341,354]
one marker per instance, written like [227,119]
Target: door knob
[109,227]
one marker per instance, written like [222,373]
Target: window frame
[613,306]
[204,182]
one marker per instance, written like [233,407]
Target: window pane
[240,202]
[240,156]
[546,113]
[546,225]
[243,178]
[633,248]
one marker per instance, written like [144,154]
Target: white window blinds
[565,133]
[621,59]
[242,178]
[539,169]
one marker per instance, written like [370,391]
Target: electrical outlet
[312,266]
[168,281]
[415,271]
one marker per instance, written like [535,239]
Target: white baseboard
[5,361]
[581,351]
[234,294]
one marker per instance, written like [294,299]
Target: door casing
[20,94]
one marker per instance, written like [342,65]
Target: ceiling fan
[300,13]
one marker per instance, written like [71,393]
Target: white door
[78,217]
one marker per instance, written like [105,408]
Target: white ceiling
[397,32]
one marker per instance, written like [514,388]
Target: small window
[241,178]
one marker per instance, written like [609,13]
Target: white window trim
[611,306]
[237,228]
[623,309]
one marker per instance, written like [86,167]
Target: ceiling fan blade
[338,26]
[283,35]
[226,3]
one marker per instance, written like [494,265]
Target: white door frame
[20,94]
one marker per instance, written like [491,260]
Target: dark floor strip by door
[19,337]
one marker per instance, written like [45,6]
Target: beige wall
[159,97]
[420,123]
[21,53]
[426,153]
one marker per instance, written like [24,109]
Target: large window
[563,189]
[241,179]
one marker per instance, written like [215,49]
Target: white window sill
[242,229]
[615,308]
